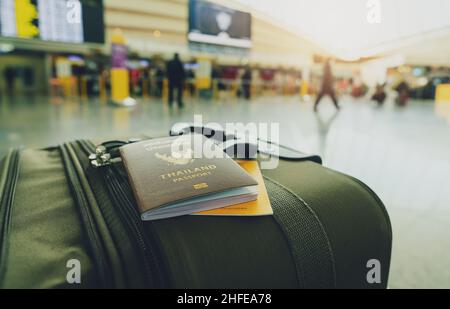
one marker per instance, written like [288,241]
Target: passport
[183,175]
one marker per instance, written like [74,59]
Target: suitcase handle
[108,153]
[232,142]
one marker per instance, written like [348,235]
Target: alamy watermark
[248,140]
[374,13]
[374,273]
[73,275]
[74,12]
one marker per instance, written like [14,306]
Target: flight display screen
[216,24]
[69,21]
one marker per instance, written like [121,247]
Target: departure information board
[216,24]
[71,21]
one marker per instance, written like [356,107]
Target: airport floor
[402,153]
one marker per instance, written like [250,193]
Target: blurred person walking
[10,78]
[380,94]
[190,75]
[246,81]
[176,76]
[159,80]
[327,86]
[403,93]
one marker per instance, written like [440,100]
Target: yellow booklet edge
[260,207]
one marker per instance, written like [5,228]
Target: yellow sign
[120,79]
[443,93]
[120,84]
[117,37]
[203,74]
[26,13]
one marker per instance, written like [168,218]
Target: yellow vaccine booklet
[260,207]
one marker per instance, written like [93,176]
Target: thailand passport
[182,175]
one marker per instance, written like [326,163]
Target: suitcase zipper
[94,239]
[7,193]
[122,197]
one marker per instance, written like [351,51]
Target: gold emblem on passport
[201,186]
[170,159]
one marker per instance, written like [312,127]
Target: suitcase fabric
[55,207]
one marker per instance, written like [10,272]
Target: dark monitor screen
[216,24]
[69,21]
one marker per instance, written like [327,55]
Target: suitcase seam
[95,245]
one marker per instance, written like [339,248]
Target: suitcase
[55,208]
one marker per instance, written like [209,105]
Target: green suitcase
[328,230]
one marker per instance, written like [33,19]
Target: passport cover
[160,178]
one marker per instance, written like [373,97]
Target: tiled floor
[403,154]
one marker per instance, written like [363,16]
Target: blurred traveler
[359,89]
[403,93]
[135,76]
[159,79]
[215,73]
[145,81]
[246,80]
[380,94]
[327,86]
[176,76]
[28,77]
[190,75]
[10,78]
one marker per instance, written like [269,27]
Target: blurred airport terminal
[74,69]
